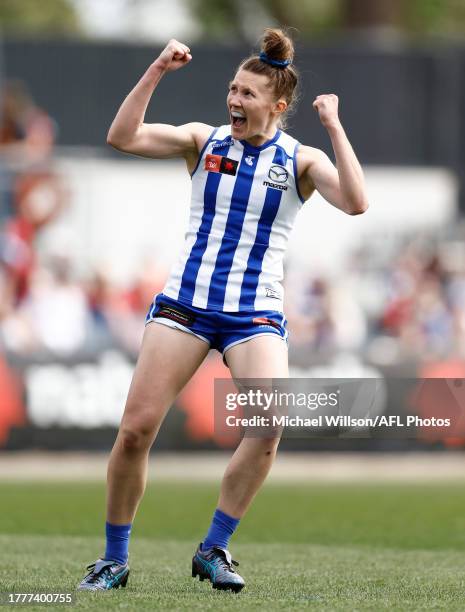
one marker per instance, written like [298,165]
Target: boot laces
[93,576]
[225,564]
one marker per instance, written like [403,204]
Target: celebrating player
[249,180]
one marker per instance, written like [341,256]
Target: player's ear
[280,106]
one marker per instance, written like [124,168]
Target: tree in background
[26,17]
[316,18]
[232,20]
[446,17]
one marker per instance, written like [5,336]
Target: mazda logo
[278,174]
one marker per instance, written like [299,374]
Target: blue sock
[221,530]
[117,542]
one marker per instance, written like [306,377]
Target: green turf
[389,547]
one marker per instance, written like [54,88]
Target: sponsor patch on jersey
[265,321]
[219,163]
[278,174]
[227,142]
[175,314]
[275,186]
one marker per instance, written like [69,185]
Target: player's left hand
[327,107]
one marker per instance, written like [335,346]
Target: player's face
[253,111]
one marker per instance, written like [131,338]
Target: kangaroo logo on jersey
[219,163]
[249,160]
[278,174]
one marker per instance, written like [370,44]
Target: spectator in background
[324,317]
[308,313]
[39,200]
[27,136]
[102,300]
[422,312]
[117,312]
[31,194]
[56,311]
[149,282]
[27,133]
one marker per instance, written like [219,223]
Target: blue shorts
[221,330]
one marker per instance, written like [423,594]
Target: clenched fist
[327,107]
[175,55]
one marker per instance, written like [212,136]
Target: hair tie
[276,63]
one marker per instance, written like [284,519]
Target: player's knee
[137,436]
[269,446]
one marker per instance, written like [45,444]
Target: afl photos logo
[278,176]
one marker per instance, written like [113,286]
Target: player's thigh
[265,356]
[167,360]
[256,363]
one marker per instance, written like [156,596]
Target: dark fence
[399,107]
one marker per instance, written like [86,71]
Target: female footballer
[249,179]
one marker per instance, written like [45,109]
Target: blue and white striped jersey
[244,202]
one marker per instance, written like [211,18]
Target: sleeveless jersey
[244,202]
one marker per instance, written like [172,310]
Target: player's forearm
[351,179]
[131,113]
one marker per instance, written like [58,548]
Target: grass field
[333,547]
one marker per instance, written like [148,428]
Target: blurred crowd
[45,309]
[409,306]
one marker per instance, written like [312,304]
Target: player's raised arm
[129,133]
[344,185]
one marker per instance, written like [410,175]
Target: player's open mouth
[238,119]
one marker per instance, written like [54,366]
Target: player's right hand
[175,55]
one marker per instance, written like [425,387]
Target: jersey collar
[248,147]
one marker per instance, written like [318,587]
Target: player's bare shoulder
[200,134]
[306,157]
